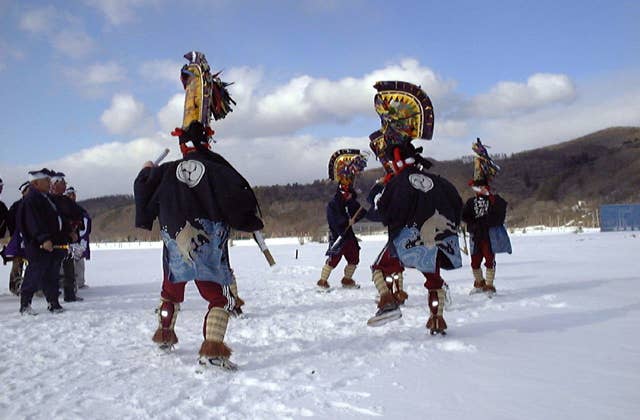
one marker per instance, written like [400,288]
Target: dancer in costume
[484,215]
[421,210]
[343,211]
[387,266]
[197,200]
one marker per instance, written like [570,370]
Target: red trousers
[483,250]
[387,263]
[434,280]
[212,292]
[350,251]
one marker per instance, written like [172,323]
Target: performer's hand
[148,164]
[73,236]
[47,246]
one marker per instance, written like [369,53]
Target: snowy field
[559,341]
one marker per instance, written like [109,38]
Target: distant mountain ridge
[548,185]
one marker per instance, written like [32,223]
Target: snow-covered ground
[559,341]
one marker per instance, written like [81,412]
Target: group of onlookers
[49,240]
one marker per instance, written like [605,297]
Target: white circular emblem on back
[421,182]
[190,172]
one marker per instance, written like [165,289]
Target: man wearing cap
[72,218]
[80,251]
[3,214]
[43,230]
[14,251]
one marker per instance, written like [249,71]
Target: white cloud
[451,129]
[593,111]
[161,71]
[40,20]
[102,73]
[96,80]
[170,116]
[100,170]
[305,101]
[64,31]
[119,12]
[126,116]
[73,43]
[261,136]
[540,90]
[8,53]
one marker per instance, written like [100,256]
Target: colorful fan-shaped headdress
[405,111]
[345,164]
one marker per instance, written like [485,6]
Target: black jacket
[3,219]
[12,215]
[72,214]
[199,186]
[413,196]
[481,213]
[39,220]
[339,212]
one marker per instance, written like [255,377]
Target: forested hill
[558,183]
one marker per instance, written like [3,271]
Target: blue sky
[89,87]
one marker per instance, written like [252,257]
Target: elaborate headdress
[484,168]
[405,112]
[344,165]
[205,96]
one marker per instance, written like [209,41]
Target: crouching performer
[197,200]
[421,210]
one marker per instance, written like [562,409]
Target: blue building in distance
[616,217]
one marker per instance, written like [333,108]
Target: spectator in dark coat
[41,225]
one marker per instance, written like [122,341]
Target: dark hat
[23,186]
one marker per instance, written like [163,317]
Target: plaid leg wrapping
[349,270]
[215,328]
[478,280]
[380,282]
[491,274]
[326,272]
[324,276]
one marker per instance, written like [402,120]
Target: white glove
[77,250]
